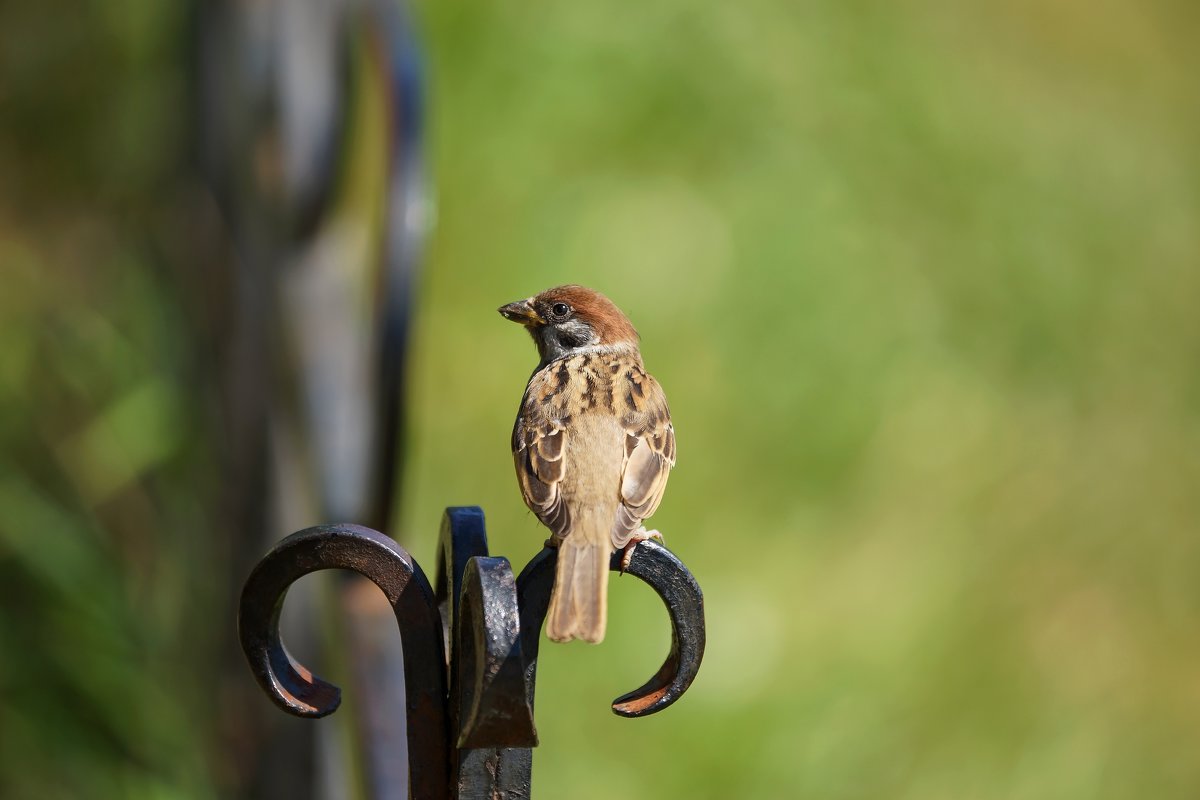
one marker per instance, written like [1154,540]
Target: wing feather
[649,453]
[538,447]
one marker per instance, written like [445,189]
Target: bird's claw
[639,536]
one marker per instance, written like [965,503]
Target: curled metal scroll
[297,691]
[491,695]
[666,574]
[494,708]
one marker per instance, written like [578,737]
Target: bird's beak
[522,311]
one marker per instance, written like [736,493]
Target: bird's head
[569,319]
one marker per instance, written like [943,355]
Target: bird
[593,445]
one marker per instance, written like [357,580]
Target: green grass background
[920,280]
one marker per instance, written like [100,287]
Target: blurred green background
[920,280]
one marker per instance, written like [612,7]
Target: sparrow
[593,446]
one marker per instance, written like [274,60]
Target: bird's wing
[649,452]
[538,444]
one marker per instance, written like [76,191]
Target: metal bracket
[470,647]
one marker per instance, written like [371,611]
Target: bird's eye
[560,309]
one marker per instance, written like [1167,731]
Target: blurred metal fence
[294,97]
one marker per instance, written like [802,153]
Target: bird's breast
[583,393]
[593,383]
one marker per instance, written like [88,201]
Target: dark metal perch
[470,647]
[294,687]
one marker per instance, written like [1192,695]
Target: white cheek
[580,331]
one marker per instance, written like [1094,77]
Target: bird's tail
[579,603]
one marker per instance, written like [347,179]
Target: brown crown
[602,314]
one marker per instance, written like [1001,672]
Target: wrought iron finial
[471,669]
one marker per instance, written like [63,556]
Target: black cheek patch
[574,336]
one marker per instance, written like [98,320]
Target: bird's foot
[639,536]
